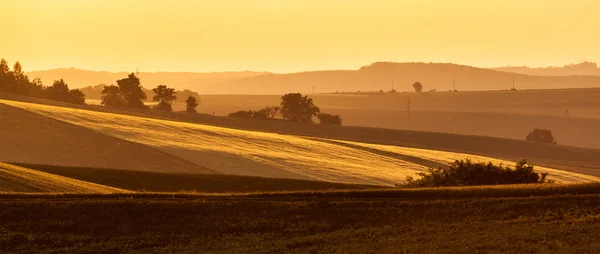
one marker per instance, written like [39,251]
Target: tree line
[295,108]
[129,93]
[16,82]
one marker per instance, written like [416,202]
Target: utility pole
[313,89]
[453,85]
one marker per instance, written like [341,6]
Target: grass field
[556,224]
[241,152]
[144,181]
[502,114]
[30,138]
[19,179]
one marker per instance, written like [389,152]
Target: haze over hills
[379,76]
[583,68]
[375,77]
[77,78]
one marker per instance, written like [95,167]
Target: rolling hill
[241,152]
[19,179]
[584,68]
[381,75]
[31,138]
[373,77]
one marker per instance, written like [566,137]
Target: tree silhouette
[418,87]
[131,90]
[325,118]
[17,82]
[298,108]
[111,97]
[191,104]
[5,75]
[270,111]
[541,135]
[164,96]
[59,91]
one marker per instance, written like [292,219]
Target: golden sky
[295,35]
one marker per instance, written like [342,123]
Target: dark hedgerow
[467,173]
[325,118]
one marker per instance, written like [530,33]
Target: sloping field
[241,152]
[145,181]
[30,138]
[20,179]
[445,158]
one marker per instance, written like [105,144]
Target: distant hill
[77,78]
[584,68]
[380,75]
[374,77]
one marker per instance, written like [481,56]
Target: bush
[242,114]
[267,113]
[325,118]
[541,135]
[467,173]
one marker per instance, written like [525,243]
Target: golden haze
[287,36]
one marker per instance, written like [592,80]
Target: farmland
[504,114]
[19,179]
[241,152]
[557,224]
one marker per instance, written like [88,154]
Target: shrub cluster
[325,118]
[467,173]
[541,136]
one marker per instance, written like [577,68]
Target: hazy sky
[295,35]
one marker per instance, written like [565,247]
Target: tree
[164,96]
[418,87]
[111,97]
[5,75]
[132,92]
[325,118]
[18,81]
[541,135]
[59,91]
[76,97]
[298,108]
[270,111]
[191,104]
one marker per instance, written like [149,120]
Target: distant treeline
[295,108]
[95,92]
[15,81]
[127,93]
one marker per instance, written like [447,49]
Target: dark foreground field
[326,224]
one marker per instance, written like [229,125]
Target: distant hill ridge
[374,77]
[583,68]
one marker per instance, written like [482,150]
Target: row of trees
[294,107]
[15,81]
[129,93]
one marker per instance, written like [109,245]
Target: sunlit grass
[20,179]
[560,176]
[242,152]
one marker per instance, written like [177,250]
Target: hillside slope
[20,179]
[240,152]
[380,76]
[30,138]
[146,181]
